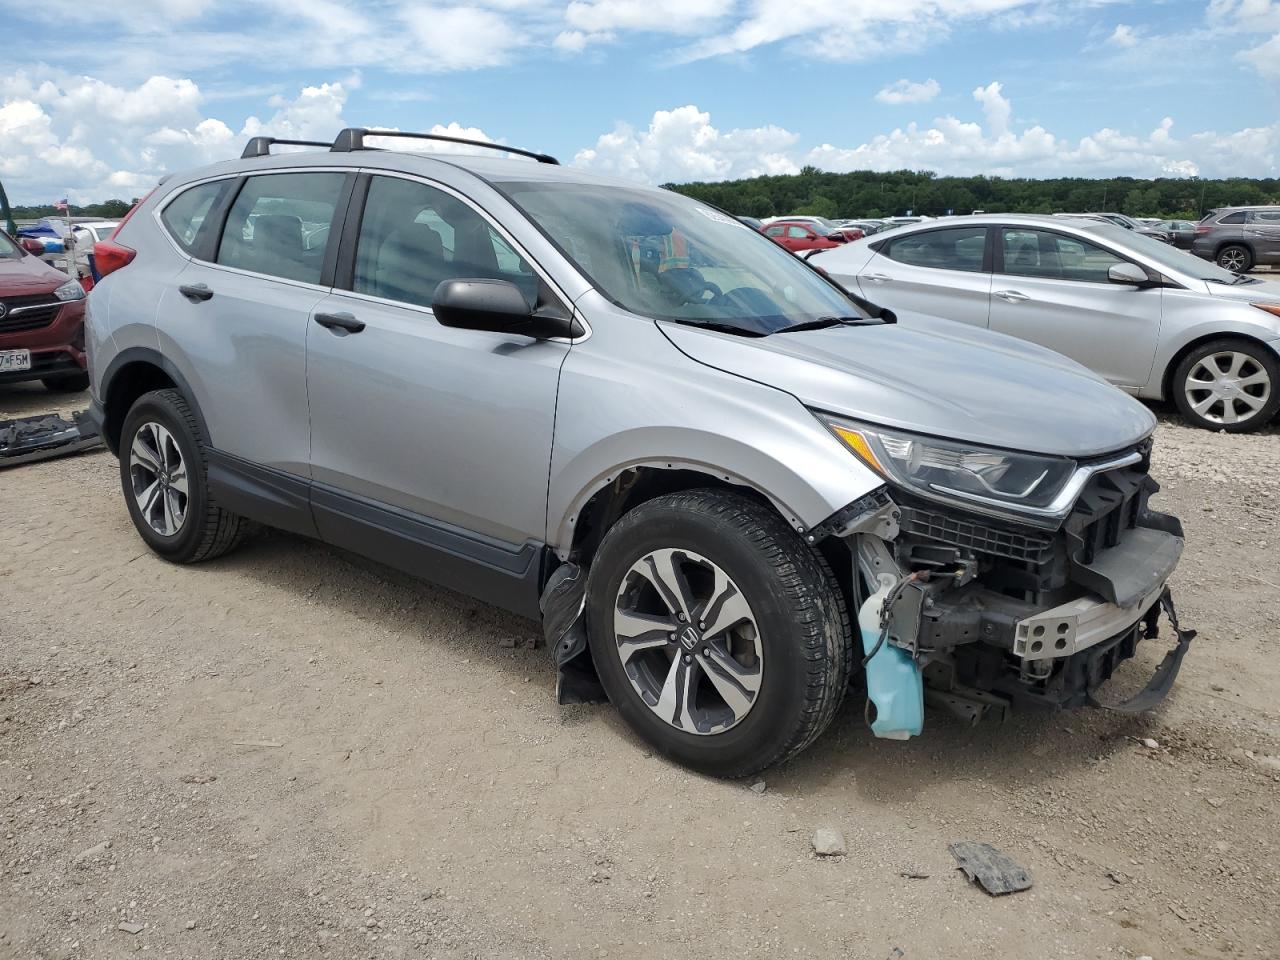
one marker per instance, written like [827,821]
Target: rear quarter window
[184,215]
[1237,217]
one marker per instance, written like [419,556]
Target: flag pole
[72,269]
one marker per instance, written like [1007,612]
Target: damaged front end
[995,613]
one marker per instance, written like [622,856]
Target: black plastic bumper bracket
[1161,681]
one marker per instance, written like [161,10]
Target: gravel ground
[292,752]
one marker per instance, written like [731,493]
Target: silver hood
[936,377]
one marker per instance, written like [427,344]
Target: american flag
[61,204]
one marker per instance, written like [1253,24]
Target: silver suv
[726,487]
[1239,238]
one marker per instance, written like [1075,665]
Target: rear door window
[414,236]
[280,225]
[1265,218]
[184,215]
[959,248]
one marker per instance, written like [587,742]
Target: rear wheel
[722,639]
[1236,258]
[1228,384]
[68,383]
[164,476]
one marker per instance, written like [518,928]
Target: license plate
[12,361]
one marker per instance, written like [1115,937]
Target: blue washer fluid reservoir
[893,677]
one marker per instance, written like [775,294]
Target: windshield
[1162,255]
[8,249]
[665,256]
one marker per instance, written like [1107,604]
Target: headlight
[1017,482]
[71,290]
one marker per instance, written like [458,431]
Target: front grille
[974,535]
[30,312]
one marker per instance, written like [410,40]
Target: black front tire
[67,383]
[207,530]
[801,614]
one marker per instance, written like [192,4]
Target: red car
[797,236]
[41,322]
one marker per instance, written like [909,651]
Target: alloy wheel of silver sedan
[1227,387]
[688,641]
[159,477]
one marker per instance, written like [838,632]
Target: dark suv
[1239,238]
[41,322]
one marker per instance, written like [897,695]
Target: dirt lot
[290,752]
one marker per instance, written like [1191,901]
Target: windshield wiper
[821,323]
[721,327]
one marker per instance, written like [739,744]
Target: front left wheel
[1228,384]
[720,636]
[164,476]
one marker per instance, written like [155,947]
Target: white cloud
[905,91]
[1123,36]
[995,107]
[461,38]
[681,144]
[663,16]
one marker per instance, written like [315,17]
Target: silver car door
[425,426]
[236,327]
[938,272]
[1052,289]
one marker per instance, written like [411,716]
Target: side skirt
[493,571]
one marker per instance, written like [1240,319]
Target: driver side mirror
[1128,274]
[497,306]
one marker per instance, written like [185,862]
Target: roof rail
[261,146]
[352,138]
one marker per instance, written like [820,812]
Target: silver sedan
[1154,320]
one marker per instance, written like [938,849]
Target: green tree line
[864,193]
[107,210]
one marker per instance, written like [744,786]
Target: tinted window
[956,249]
[1037,253]
[413,236]
[184,215]
[279,225]
[1237,217]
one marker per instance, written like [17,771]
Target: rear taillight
[1201,230]
[109,256]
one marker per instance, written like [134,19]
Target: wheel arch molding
[804,492]
[130,374]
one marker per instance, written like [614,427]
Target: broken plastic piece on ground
[45,436]
[991,868]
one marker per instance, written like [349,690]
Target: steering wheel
[690,285]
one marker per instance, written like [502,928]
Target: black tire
[67,383]
[1260,356]
[1235,257]
[206,531]
[804,630]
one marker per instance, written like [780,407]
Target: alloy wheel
[688,641]
[159,478]
[1227,387]
[1233,259]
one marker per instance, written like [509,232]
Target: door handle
[876,277]
[196,292]
[340,321]
[1011,296]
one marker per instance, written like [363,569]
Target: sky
[99,100]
